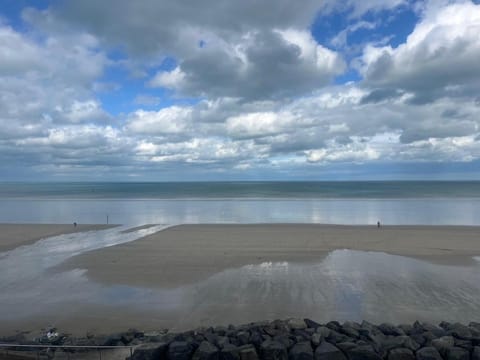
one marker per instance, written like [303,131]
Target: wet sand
[186,254]
[14,235]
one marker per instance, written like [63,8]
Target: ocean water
[391,202]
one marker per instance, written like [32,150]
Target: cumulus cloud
[439,58]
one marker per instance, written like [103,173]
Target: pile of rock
[297,339]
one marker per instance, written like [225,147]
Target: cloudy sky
[239,90]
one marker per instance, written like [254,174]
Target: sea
[137,203]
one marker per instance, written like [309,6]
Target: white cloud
[439,58]
[171,120]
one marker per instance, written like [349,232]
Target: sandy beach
[14,235]
[188,253]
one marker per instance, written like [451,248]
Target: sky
[157,90]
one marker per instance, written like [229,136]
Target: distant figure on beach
[378,224]
[75,224]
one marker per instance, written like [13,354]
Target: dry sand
[14,235]
[188,253]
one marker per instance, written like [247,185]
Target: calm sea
[391,202]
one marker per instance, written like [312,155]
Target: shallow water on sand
[344,285]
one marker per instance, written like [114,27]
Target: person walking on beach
[378,224]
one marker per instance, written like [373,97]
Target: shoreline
[13,235]
[185,254]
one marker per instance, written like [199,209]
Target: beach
[188,253]
[154,277]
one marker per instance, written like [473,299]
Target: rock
[113,340]
[150,352]
[301,351]
[327,351]
[273,350]
[334,325]
[389,329]
[206,351]
[296,323]
[243,337]
[285,340]
[460,331]
[476,353]
[349,331]
[428,353]
[404,341]
[247,352]
[311,324]
[344,346]
[362,353]
[407,328]
[316,339]
[443,344]
[230,352]
[324,331]
[222,341]
[255,338]
[179,350]
[401,354]
[220,330]
[457,353]
[335,337]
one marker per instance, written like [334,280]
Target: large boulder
[230,352]
[180,350]
[206,351]
[457,353]
[150,351]
[389,329]
[327,351]
[460,331]
[362,353]
[273,350]
[247,352]
[401,354]
[443,344]
[301,351]
[311,324]
[404,341]
[476,353]
[296,324]
[428,353]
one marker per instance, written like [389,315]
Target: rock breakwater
[305,339]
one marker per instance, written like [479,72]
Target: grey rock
[347,345]
[301,351]
[180,350]
[273,350]
[327,351]
[404,341]
[362,353]
[460,331]
[243,337]
[401,354]
[287,341]
[206,351]
[230,352]
[247,352]
[296,324]
[349,331]
[311,324]
[389,329]
[428,353]
[220,330]
[335,337]
[316,339]
[457,353]
[476,353]
[323,330]
[150,351]
[443,344]
[221,341]
[407,328]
